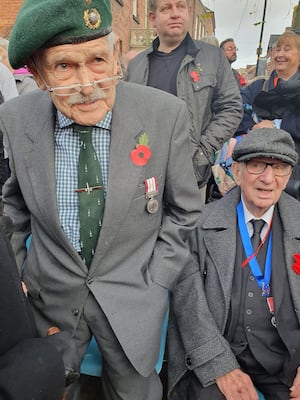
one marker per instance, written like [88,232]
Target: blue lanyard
[262,280]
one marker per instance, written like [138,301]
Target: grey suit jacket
[139,255]
[202,294]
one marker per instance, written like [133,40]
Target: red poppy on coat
[296,265]
[140,155]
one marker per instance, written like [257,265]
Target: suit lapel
[124,175]
[40,162]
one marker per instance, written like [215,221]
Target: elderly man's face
[261,190]
[82,63]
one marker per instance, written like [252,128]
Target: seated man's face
[62,66]
[262,181]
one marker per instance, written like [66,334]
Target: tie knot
[83,131]
[257,225]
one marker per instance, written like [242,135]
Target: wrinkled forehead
[101,47]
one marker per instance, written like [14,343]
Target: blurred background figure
[211,39]
[23,78]
[8,88]
[275,101]
[230,51]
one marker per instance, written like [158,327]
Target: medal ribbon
[151,187]
[262,280]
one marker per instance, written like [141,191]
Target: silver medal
[152,206]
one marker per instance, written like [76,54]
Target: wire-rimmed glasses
[70,90]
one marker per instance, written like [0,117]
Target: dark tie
[257,227]
[91,194]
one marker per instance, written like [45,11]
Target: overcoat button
[189,361]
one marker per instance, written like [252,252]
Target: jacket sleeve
[248,94]
[226,107]
[15,207]
[206,351]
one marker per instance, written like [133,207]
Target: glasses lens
[71,90]
[232,49]
[258,167]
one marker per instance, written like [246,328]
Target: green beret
[266,142]
[47,23]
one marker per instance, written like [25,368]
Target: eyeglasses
[231,49]
[104,84]
[258,167]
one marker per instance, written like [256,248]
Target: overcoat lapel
[291,239]
[220,234]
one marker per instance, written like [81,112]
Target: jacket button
[90,281]
[188,361]
[75,311]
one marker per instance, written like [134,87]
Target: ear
[236,170]
[152,19]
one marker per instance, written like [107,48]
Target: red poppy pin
[142,152]
[195,74]
[296,265]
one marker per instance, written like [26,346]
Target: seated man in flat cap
[102,180]
[235,325]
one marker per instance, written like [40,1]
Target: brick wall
[8,12]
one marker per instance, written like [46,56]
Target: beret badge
[92,18]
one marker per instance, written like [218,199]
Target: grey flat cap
[266,142]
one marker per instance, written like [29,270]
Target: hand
[295,389]
[236,385]
[265,123]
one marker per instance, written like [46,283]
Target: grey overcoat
[203,292]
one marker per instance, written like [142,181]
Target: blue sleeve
[248,94]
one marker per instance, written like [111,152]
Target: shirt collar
[267,216]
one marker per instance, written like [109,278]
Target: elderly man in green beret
[103,184]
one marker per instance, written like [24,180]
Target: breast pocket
[206,82]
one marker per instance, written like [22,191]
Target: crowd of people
[106,225]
